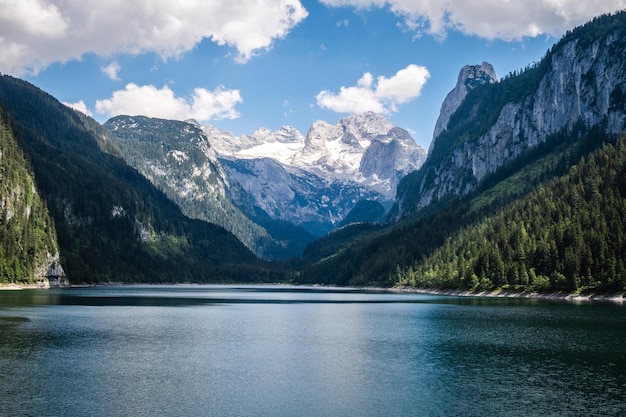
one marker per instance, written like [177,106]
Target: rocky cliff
[579,85]
[470,77]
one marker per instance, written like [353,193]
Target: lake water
[293,351]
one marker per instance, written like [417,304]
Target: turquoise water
[293,351]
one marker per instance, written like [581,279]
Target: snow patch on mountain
[332,152]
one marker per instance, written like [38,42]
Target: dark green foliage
[366,211]
[337,257]
[112,224]
[27,235]
[568,235]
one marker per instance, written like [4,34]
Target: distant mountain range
[524,188]
[276,191]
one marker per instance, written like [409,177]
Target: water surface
[287,351]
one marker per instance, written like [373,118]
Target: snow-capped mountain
[365,149]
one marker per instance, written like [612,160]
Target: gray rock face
[584,85]
[294,195]
[388,158]
[470,77]
[177,158]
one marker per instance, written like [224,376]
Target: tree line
[568,235]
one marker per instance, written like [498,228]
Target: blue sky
[240,65]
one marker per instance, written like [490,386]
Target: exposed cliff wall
[470,77]
[579,85]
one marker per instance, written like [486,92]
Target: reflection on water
[284,351]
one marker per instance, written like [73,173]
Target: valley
[522,188]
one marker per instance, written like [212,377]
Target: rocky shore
[614,298]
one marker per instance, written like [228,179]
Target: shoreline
[574,297]
[16,287]
[555,296]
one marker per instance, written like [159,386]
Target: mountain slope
[569,235]
[577,86]
[112,224]
[178,159]
[28,241]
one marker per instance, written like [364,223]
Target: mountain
[179,160]
[274,190]
[111,223]
[365,149]
[523,189]
[29,251]
[576,87]
[569,235]
[315,180]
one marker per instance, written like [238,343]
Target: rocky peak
[470,77]
[288,134]
[321,131]
[388,158]
[363,127]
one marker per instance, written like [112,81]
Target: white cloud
[491,19]
[147,100]
[382,96]
[80,106]
[36,33]
[112,70]
[26,18]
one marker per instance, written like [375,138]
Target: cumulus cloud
[36,33]
[112,70]
[382,95]
[80,106]
[490,19]
[147,100]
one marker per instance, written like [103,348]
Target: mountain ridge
[329,151]
[577,85]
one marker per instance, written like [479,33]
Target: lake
[299,351]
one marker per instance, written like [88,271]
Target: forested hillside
[568,235]
[111,223]
[27,235]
